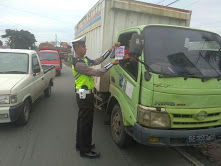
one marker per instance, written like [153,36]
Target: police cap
[79,42]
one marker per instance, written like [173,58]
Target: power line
[191,4]
[159,2]
[12,22]
[34,13]
[173,2]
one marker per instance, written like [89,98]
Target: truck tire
[24,115]
[121,138]
[47,91]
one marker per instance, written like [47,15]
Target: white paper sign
[119,52]
[129,89]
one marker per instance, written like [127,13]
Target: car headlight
[7,99]
[13,99]
[4,99]
[150,117]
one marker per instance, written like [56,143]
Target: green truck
[170,94]
[171,97]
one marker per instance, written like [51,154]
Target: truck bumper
[10,114]
[58,69]
[170,137]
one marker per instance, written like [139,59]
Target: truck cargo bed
[107,18]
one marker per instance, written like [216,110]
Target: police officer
[84,86]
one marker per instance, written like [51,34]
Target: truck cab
[170,95]
[51,57]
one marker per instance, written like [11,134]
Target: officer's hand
[115,62]
[111,48]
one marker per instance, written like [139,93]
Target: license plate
[201,139]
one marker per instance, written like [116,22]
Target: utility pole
[13,40]
[55,40]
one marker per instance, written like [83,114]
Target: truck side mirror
[136,45]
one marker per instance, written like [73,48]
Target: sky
[49,19]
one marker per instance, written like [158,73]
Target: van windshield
[48,56]
[180,51]
[13,63]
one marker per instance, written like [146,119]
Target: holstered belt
[86,91]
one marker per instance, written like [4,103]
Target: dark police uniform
[83,74]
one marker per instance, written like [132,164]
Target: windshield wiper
[206,79]
[218,78]
[147,67]
[186,76]
[14,72]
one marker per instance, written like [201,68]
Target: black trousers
[85,122]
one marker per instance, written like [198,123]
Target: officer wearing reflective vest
[84,86]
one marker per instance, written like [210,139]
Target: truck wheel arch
[110,105]
[124,107]
[119,134]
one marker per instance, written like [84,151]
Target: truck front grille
[190,121]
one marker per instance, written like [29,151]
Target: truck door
[129,75]
[38,77]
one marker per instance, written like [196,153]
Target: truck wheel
[121,138]
[47,92]
[59,73]
[24,115]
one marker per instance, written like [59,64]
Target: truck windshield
[48,56]
[13,63]
[176,51]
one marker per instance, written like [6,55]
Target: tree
[19,39]
[1,43]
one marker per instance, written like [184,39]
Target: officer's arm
[89,71]
[102,58]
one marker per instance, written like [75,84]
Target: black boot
[90,154]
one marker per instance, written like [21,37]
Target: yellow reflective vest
[81,79]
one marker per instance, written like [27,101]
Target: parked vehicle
[64,49]
[170,95]
[49,56]
[22,80]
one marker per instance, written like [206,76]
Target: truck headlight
[7,99]
[4,99]
[150,117]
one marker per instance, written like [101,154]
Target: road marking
[189,157]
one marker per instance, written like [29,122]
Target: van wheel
[47,91]
[121,138]
[24,115]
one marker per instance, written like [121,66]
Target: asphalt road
[49,137]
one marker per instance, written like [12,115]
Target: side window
[129,64]
[35,64]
